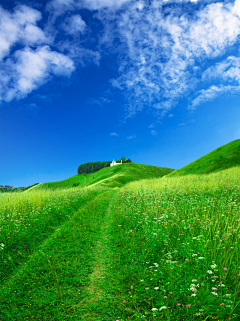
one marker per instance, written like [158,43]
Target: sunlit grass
[47,249]
[115,176]
[190,182]
[51,283]
[29,218]
[170,249]
[223,157]
[178,251]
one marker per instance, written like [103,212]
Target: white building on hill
[113,163]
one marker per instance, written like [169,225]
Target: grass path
[97,297]
[56,279]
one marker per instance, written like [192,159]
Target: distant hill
[219,159]
[115,176]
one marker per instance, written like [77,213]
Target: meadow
[177,248]
[155,249]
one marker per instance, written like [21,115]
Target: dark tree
[92,167]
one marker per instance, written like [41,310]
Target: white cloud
[27,59]
[236,8]
[99,4]
[151,126]
[211,93]
[28,69]
[162,56]
[131,136]
[101,101]
[163,50]
[33,63]
[114,134]
[19,27]
[75,25]
[59,7]
[154,132]
[228,70]
[184,124]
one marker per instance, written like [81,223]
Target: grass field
[123,247]
[177,248]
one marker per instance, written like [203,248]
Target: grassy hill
[165,248]
[223,157]
[115,176]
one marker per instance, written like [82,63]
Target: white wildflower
[163,307]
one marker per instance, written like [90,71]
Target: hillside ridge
[223,157]
[115,176]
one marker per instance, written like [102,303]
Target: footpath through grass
[160,249]
[28,219]
[48,280]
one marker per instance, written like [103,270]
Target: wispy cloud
[164,50]
[58,7]
[227,72]
[114,134]
[152,126]
[211,93]
[131,136]
[154,132]
[74,25]
[184,124]
[101,101]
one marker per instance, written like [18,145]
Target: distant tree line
[10,189]
[93,167]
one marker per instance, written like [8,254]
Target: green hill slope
[223,157]
[115,176]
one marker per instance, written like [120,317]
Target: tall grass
[176,248]
[29,218]
[226,177]
[168,249]
[51,275]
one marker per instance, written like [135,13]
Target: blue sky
[86,80]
